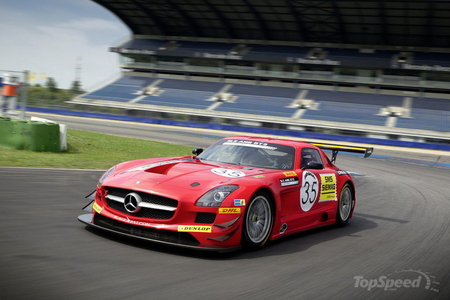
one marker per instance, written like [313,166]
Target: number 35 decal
[308,191]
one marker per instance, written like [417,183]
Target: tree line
[50,94]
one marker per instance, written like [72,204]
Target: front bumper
[162,236]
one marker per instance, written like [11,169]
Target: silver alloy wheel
[259,219]
[345,203]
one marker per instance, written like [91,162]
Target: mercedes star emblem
[131,202]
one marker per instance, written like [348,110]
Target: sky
[51,37]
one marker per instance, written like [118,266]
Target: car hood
[178,177]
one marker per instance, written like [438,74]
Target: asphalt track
[400,231]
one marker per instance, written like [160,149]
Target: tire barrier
[29,135]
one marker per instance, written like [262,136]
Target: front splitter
[87,219]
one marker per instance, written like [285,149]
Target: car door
[308,190]
[318,183]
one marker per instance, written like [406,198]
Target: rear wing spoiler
[336,148]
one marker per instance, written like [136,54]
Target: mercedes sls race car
[241,191]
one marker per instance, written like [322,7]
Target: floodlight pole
[24,94]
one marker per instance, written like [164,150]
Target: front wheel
[345,205]
[258,222]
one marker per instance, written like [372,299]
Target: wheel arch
[352,186]
[268,192]
[273,201]
[353,190]
[273,204]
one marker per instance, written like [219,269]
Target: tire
[345,205]
[258,222]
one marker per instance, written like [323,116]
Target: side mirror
[197,151]
[313,165]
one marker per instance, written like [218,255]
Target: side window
[308,155]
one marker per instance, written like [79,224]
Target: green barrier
[17,134]
[4,131]
[29,135]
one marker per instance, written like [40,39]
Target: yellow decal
[233,210]
[291,173]
[193,228]
[97,207]
[328,190]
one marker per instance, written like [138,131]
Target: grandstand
[366,68]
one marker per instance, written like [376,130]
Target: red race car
[240,192]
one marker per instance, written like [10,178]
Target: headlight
[216,196]
[106,174]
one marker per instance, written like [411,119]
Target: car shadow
[306,239]
[290,244]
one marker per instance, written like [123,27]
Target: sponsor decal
[253,144]
[341,172]
[422,67]
[97,208]
[309,190]
[259,176]
[220,56]
[229,210]
[239,202]
[193,228]
[328,191]
[132,51]
[289,181]
[315,61]
[289,174]
[127,220]
[228,172]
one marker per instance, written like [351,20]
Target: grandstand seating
[347,113]
[428,114]
[337,106]
[355,98]
[180,98]
[253,104]
[265,91]
[123,89]
[356,55]
[426,119]
[442,59]
[191,85]
[431,104]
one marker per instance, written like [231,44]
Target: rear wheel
[345,205]
[258,222]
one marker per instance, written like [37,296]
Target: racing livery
[241,191]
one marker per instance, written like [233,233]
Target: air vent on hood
[162,169]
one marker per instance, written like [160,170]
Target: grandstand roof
[408,23]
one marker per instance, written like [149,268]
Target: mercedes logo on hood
[131,202]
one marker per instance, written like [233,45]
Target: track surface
[400,230]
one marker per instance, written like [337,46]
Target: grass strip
[90,150]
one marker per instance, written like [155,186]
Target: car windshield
[251,154]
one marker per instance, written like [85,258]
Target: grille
[206,218]
[150,198]
[182,238]
[144,212]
